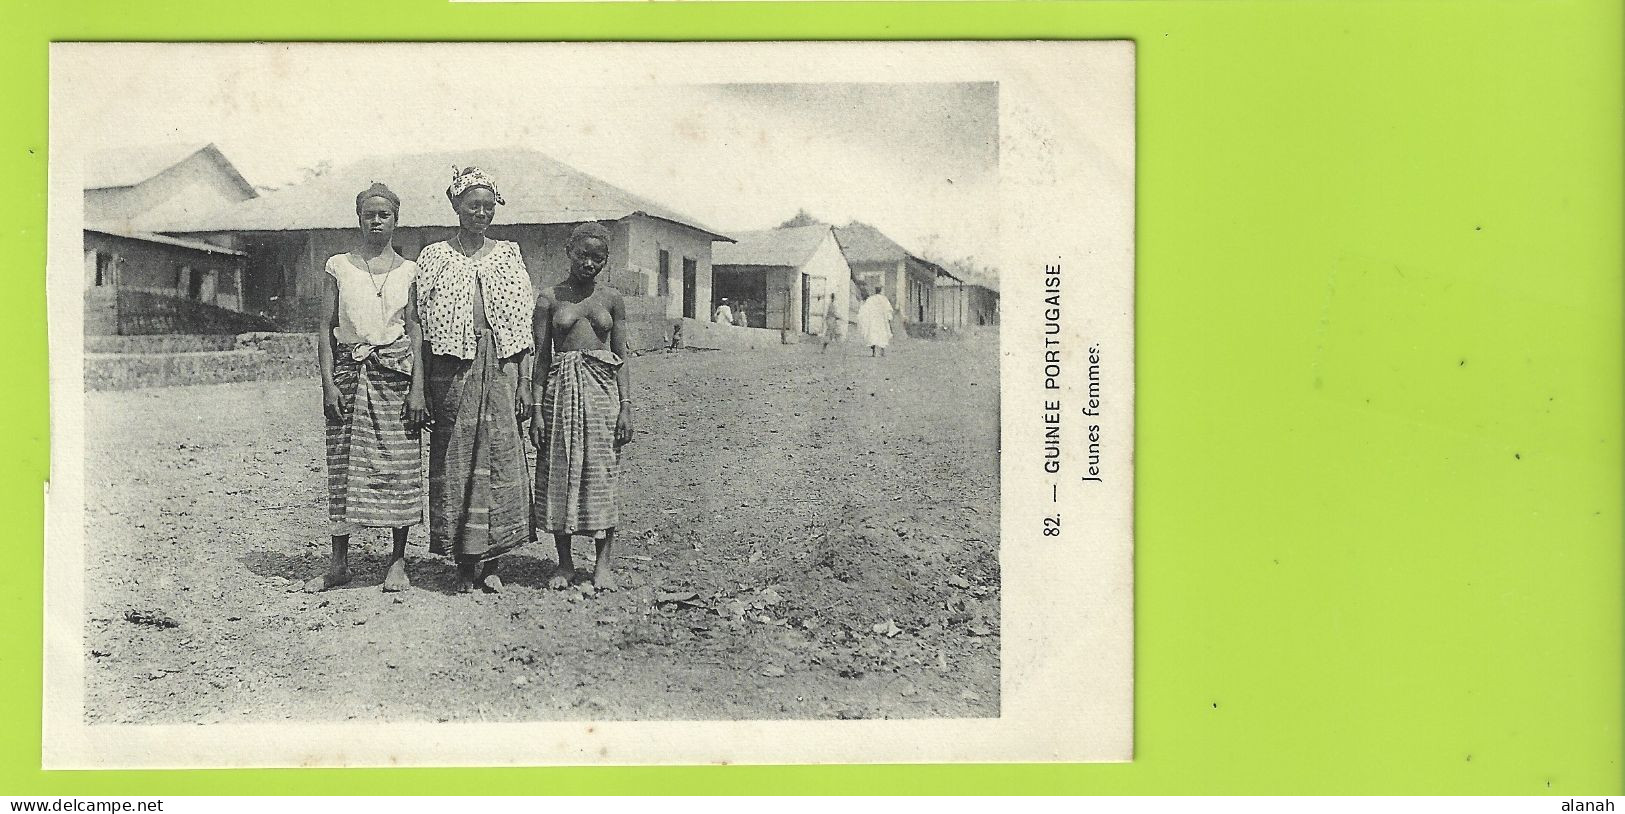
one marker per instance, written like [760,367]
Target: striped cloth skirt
[579,463]
[374,461]
[479,478]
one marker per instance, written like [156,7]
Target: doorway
[691,286]
[806,304]
[663,275]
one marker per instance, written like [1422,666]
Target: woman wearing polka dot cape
[474,299]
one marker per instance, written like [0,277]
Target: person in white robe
[874,322]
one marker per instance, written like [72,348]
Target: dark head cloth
[378,190]
[591,228]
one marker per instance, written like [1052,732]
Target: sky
[918,160]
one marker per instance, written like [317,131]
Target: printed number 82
[1052,525]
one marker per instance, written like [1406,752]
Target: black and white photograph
[527,404]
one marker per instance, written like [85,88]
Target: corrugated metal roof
[789,246]
[538,189]
[128,166]
[941,272]
[196,245]
[993,287]
[862,243]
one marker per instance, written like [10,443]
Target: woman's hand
[416,413]
[623,425]
[522,400]
[332,402]
[538,430]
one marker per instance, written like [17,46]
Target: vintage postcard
[489,404]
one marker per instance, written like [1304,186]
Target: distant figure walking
[874,321]
[583,407]
[832,322]
[372,392]
[741,319]
[724,314]
[475,300]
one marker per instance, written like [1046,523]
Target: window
[194,284]
[104,268]
[206,285]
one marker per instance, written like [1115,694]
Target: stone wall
[114,310]
[716,336]
[126,363]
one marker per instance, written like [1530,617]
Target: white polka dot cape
[446,298]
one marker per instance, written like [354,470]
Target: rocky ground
[804,536]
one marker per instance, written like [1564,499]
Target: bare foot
[395,578]
[560,578]
[465,578]
[331,579]
[604,579]
[487,578]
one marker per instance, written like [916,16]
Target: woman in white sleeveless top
[369,378]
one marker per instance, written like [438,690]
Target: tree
[802,218]
[971,270]
[930,247]
[320,169]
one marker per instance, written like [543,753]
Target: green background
[1379,377]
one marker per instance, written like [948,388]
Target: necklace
[377,288]
[463,250]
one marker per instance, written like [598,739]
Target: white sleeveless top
[372,307]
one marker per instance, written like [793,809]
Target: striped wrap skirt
[374,461]
[579,463]
[479,478]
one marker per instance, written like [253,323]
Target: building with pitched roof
[131,189]
[783,277]
[966,303]
[126,192]
[660,258]
[879,261]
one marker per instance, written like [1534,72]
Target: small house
[784,277]
[965,304]
[132,271]
[877,260]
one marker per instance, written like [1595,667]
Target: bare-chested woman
[583,407]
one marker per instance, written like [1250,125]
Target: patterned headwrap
[463,180]
[378,190]
[591,228]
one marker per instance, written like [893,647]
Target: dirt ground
[802,537]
